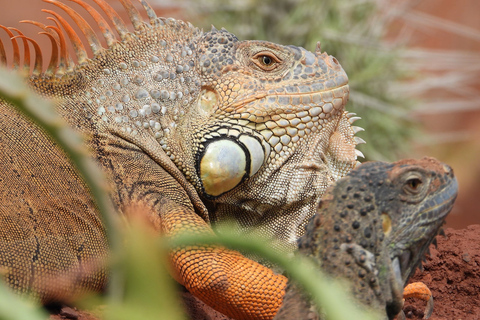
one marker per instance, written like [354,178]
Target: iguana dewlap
[373,229]
[199,127]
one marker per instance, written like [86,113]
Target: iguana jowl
[373,228]
[197,127]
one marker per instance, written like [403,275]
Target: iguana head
[268,133]
[413,197]
[375,225]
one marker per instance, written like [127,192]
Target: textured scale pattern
[366,221]
[222,269]
[41,240]
[151,105]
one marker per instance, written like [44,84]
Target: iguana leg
[420,291]
[224,279]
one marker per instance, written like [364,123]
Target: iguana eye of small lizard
[414,183]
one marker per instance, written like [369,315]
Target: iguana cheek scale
[160,107]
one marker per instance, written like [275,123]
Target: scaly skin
[373,228]
[199,128]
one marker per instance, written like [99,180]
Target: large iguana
[198,127]
[373,228]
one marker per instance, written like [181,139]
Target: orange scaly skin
[216,275]
[417,290]
[198,127]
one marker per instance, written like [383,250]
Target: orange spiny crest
[54,58]
[58,36]
[26,51]
[64,57]
[150,12]
[16,50]
[133,13]
[114,18]
[92,38]
[102,24]
[61,62]
[38,66]
[3,56]
[77,44]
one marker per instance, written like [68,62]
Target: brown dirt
[452,272]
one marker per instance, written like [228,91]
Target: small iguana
[198,127]
[373,228]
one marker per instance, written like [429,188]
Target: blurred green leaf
[148,290]
[12,307]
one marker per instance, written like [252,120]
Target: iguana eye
[414,183]
[266,60]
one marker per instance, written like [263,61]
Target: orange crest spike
[26,51]
[133,13]
[119,24]
[38,66]
[103,25]
[16,50]
[63,46]
[3,56]
[62,65]
[54,58]
[57,34]
[74,39]
[82,24]
[41,26]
